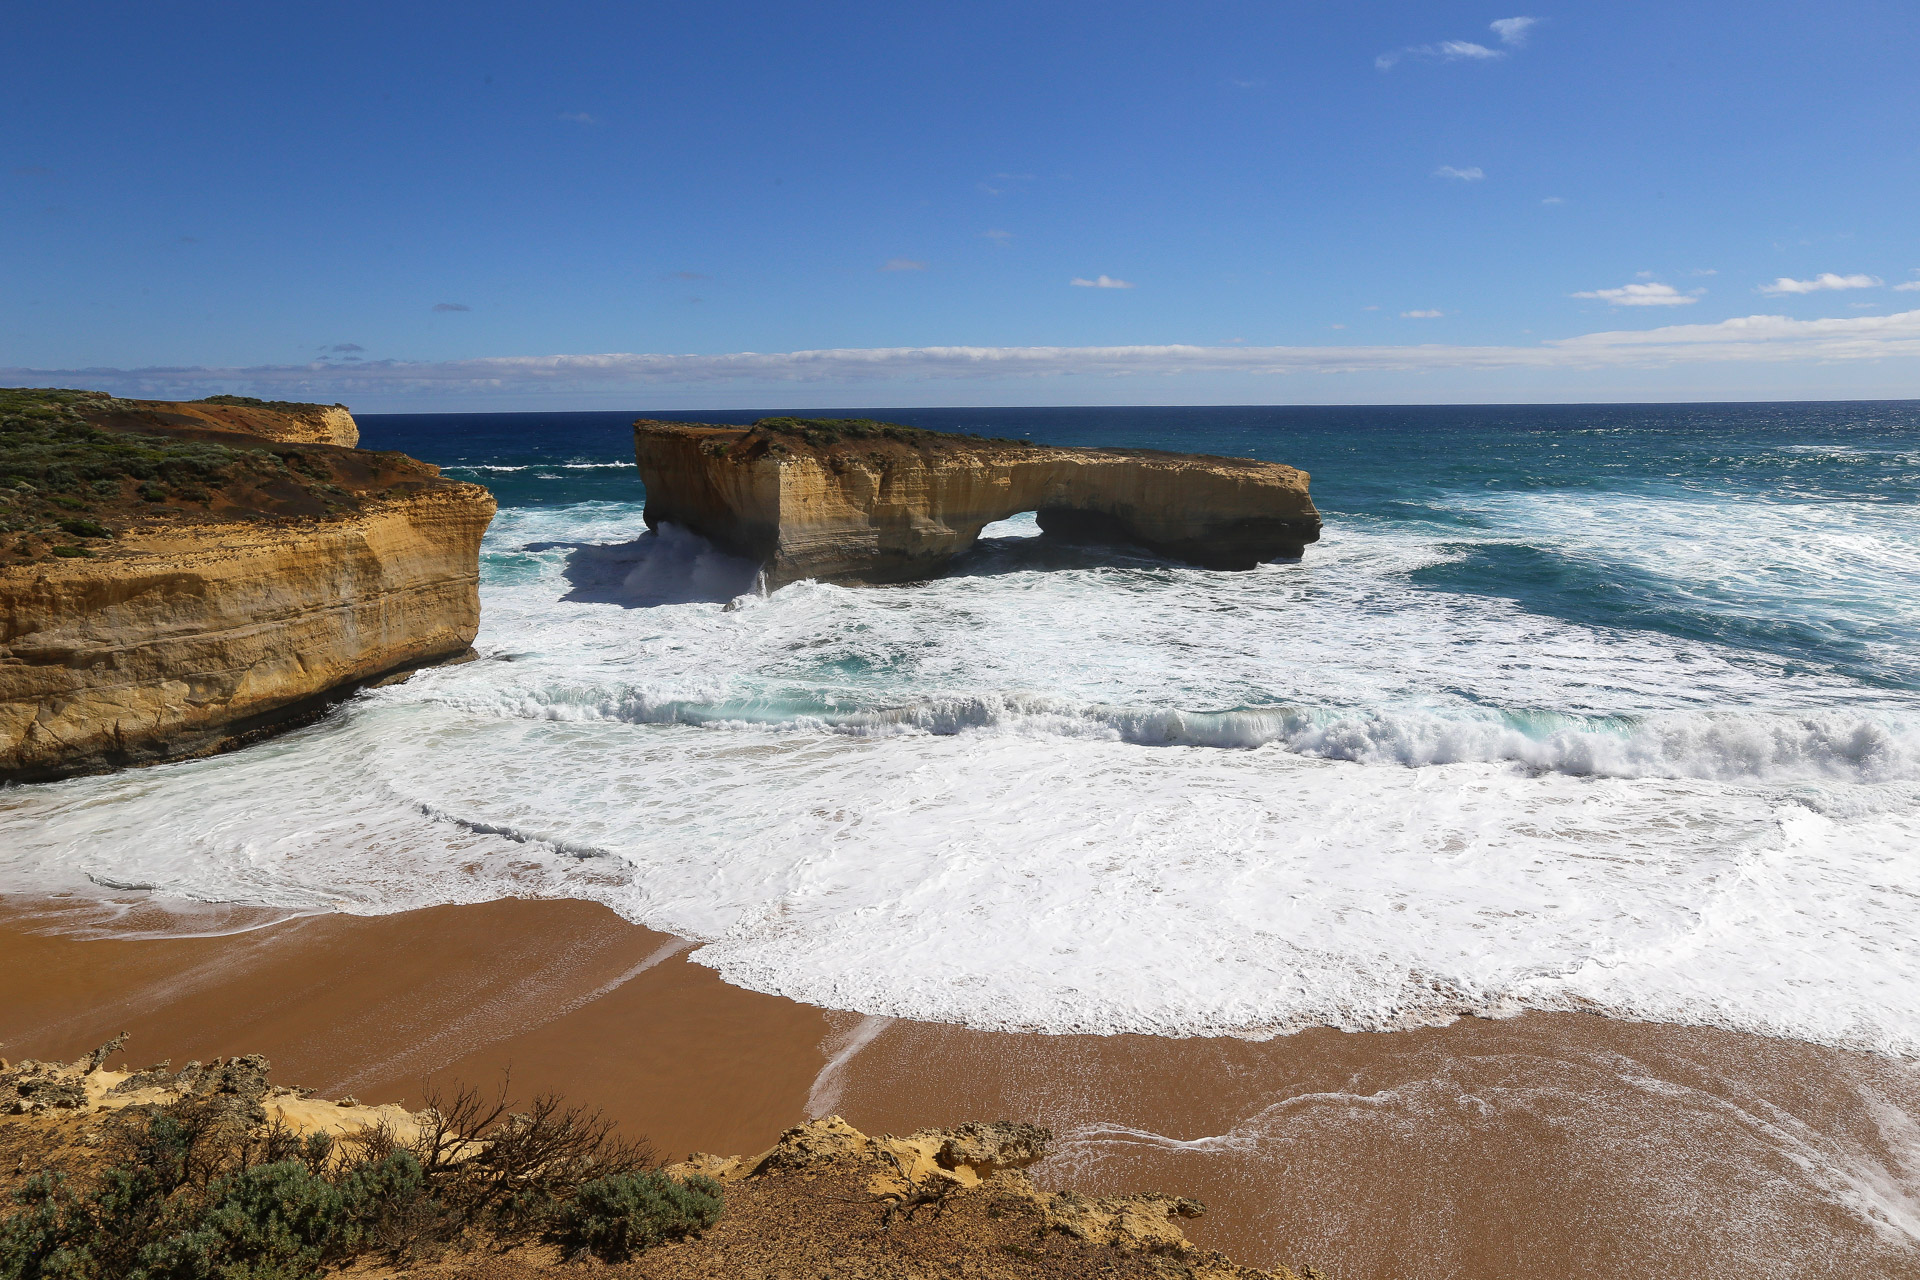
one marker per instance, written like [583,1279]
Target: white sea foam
[1002,798]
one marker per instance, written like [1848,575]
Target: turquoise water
[1611,708]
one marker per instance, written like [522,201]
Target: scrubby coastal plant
[205,1189]
[613,1218]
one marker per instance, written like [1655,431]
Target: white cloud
[1511,31]
[1750,339]
[1554,200]
[1472,174]
[1825,280]
[998,236]
[1445,51]
[579,117]
[1704,271]
[1100,282]
[1911,286]
[903,264]
[1421,315]
[1642,295]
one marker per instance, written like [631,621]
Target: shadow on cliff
[670,566]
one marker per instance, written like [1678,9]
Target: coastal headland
[858,501]
[179,579]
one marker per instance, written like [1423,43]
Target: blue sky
[423,205]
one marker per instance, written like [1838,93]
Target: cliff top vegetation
[199,1175]
[281,406]
[79,467]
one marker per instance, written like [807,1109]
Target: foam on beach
[1074,791]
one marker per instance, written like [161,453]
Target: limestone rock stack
[869,502]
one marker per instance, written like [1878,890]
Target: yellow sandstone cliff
[183,622]
[869,502]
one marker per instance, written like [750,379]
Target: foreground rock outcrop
[169,591]
[824,1200]
[869,502]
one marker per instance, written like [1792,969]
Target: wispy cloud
[1472,174]
[686,275]
[1554,200]
[1512,31]
[903,264]
[1910,286]
[1824,281]
[999,237]
[344,346]
[1750,339]
[451,306]
[579,117]
[1100,282]
[1421,315]
[1642,295]
[1445,51]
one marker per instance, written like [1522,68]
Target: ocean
[1600,708]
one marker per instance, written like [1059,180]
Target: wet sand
[1541,1146]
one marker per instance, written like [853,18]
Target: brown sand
[1542,1146]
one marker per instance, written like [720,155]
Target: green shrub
[72,553]
[277,1221]
[44,1241]
[204,1189]
[615,1217]
[151,492]
[85,528]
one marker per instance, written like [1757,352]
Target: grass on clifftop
[279,406]
[66,481]
[823,432]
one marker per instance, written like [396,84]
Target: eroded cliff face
[866,502]
[168,592]
[186,641]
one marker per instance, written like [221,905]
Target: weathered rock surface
[284,422]
[867,502]
[191,615]
[967,1187]
[183,642]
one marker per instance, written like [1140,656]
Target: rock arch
[870,502]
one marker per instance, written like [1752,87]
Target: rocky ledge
[826,1200]
[171,588]
[854,500]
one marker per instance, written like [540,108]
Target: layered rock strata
[870,502]
[158,623]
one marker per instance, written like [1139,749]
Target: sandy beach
[1540,1146]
